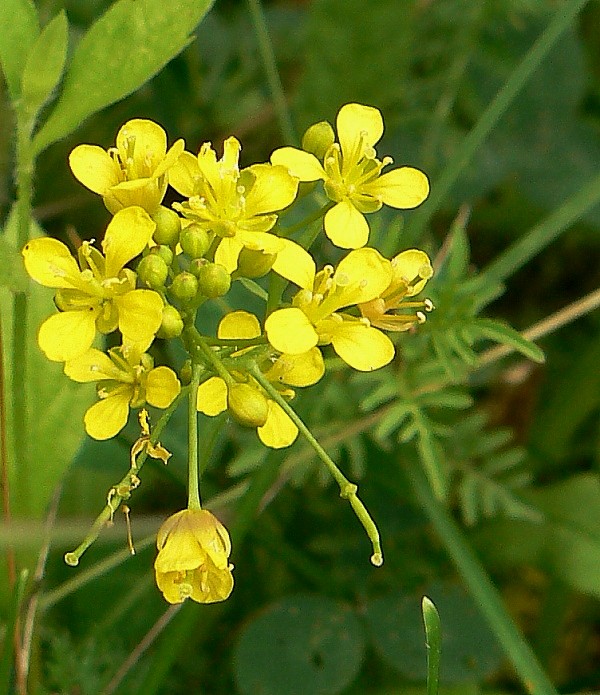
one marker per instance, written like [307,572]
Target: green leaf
[303,645]
[121,51]
[12,272]
[19,28]
[506,335]
[45,64]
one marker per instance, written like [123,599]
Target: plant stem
[193,492]
[561,21]
[481,587]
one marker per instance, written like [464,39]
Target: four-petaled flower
[135,172]
[352,176]
[126,378]
[193,558]
[98,293]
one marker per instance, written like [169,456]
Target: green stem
[433,635]
[481,587]
[308,220]
[503,99]
[348,490]
[193,491]
[267,54]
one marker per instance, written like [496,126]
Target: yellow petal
[302,165]
[355,122]
[290,331]
[239,324]
[127,235]
[107,417]
[273,189]
[93,365]
[140,314]
[185,174]
[410,265]
[211,585]
[212,396]
[49,262]
[94,168]
[362,347]
[403,188]
[228,252]
[304,369]
[346,226]
[67,335]
[171,157]
[295,264]
[149,142]
[162,387]
[261,241]
[362,275]
[278,431]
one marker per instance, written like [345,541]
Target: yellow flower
[98,293]
[276,430]
[352,176]
[135,172]
[315,319]
[411,271]
[193,558]
[239,206]
[126,379]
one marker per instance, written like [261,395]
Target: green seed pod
[168,226]
[194,241]
[185,373]
[184,287]
[254,264]
[153,271]
[213,279]
[318,139]
[247,405]
[163,252]
[172,323]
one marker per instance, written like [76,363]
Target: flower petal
[304,369]
[185,174]
[140,314]
[362,275]
[149,142]
[403,188]
[127,235]
[212,396]
[290,331]
[93,365]
[94,168]
[107,417]
[49,262]
[162,387]
[295,264]
[240,325]
[302,165]
[355,121]
[362,347]
[346,226]
[278,431]
[410,265]
[67,335]
[273,189]
[228,252]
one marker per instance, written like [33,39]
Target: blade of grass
[10,639]
[433,635]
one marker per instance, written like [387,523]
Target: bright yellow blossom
[277,431]
[352,176]
[135,172]
[315,319]
[98,292]
[239,207]
[193,558]
[126,379]
[412,269]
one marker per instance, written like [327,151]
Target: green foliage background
[516,445]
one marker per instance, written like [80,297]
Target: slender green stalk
[481,587]
[270,64]
[565,14]
[433,635]
[193,491]
[11,633]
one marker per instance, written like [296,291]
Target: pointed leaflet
[19,29]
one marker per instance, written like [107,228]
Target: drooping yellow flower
[239,207]
[193,558]
[352,176]
[135,172]
[411,271]
[315,317]
[275,430]
[126,378]
[98,292]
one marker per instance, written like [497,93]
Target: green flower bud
[163,252]
[194,241]
[168,226]
[153,271]
[247,405]
[213,279]
[318,139]
[254,264]
[184,287]
[172,323]
[185,373]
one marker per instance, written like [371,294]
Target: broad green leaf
[121,51]
[12,272]
[504,334]
[45,64]
[19,28]
[304,645]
